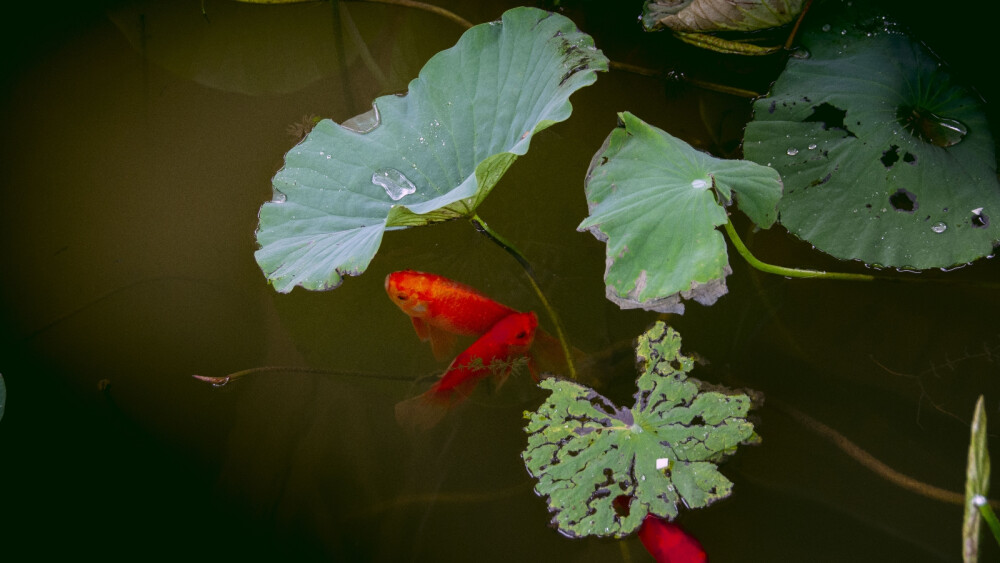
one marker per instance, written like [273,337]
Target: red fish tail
[669,543]
[421,413]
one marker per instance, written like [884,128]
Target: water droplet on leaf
[365,122]
[939,227]
[932,128]
[792,151]
[396,185]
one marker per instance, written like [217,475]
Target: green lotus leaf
[885,158]
[431,155]
[977,483]
[718,15]
[604,468]
[657,202]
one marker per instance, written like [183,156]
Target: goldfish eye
[521,334]
[401,297]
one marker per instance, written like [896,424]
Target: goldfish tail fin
[421,413]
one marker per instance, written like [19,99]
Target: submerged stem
[483,228]
[783,271]
[427,7]
[871,462]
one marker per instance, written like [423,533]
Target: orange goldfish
[493,353]
[441,308]
[669,543]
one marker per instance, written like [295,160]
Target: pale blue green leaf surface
[586,452]
[885,157]
[431,155]
[657,201]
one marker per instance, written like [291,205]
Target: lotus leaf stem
[783,271]
[483,228]
[798,22]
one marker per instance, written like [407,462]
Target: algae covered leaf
[657,202]
[604,468]
[431,155]
[885,157]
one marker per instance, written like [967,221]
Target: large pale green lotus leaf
[719,15]
[590,457]
[885,158]
[431,155]
[657,201]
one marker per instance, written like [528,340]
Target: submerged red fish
[492,354]
[669,543]
[441,308]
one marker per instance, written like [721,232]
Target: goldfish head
[405,289]
[518,330]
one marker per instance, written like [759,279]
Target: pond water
[140,139]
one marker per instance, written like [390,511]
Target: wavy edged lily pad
[719,15]
[588,454]
[657,201]
[431,155]
[885,158]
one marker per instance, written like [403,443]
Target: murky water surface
[139,144]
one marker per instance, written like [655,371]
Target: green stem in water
[991,518]
[483,228]
[787,272]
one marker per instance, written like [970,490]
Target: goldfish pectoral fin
[533,369]
[420,413]
[422,329]
[442,343]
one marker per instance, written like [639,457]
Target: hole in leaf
[903,200]
[622,505]
[830,116]
[931,128]
[979,219]
[909,158]
[890,156]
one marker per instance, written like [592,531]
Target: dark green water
[139,143]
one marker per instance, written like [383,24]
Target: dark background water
[139,141]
